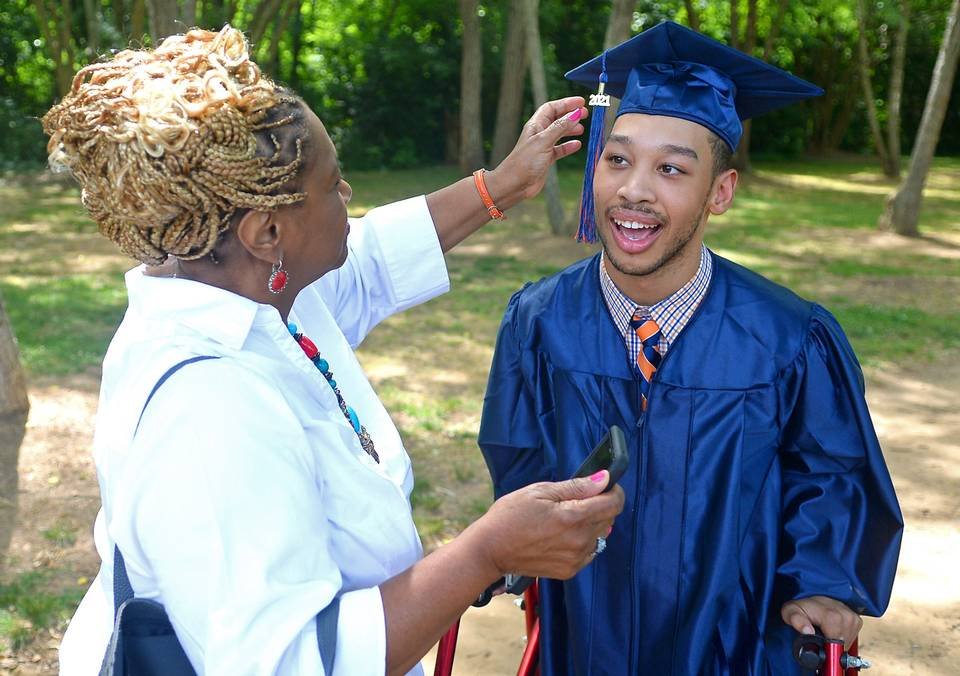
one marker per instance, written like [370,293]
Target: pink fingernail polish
[575,115]
[609,530]
[597,477]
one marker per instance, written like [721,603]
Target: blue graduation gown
[755,475]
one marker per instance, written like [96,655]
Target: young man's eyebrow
[670,149]
[666,148]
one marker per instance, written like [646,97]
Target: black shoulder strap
[327,619]
[122,589]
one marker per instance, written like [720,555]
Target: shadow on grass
[64,324]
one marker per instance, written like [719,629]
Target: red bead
[308,347]
[278,281]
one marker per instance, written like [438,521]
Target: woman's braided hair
[168,145]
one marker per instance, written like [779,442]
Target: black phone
[609,454]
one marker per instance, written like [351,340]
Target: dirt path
[917,416]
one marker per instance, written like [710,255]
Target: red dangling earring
[278,278]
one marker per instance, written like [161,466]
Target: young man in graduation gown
[758,501]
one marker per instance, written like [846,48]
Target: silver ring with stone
[601,545]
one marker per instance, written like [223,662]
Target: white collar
[218,314]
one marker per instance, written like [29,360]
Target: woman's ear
[724,188]
[258,233]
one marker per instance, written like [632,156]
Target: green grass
[27,608]
[785,223]
[61,534]
[882,334]
[808,225]
[63,324]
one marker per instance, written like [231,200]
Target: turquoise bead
[292,328]
[354,420]
[333,383]
[323,365]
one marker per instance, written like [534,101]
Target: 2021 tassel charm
[599,102]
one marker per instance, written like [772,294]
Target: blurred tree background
[385,75]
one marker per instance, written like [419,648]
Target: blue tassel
[588,220]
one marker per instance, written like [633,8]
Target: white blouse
[244,501]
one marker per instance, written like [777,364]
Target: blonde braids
[169,144]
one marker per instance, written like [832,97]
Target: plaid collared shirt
[671,314]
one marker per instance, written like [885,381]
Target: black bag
[143,641]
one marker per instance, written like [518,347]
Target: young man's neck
[660,284]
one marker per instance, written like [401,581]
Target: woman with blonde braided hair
[251,480]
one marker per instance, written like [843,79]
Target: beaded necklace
[313,354]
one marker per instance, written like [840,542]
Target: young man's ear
[724,187]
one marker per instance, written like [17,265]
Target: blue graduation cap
[675,71]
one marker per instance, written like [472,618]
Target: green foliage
[384,75]
[28,607]
[26,85]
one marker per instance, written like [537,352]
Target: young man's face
[653,188]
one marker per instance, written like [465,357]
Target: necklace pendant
[367,443]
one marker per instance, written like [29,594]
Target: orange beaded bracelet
[495,213]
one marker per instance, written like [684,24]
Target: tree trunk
[230,11]
[750,41]
[451,137]
[265,12]
[693,18]
[471,72]
[91,15]
[902,210]
[138,20]
[872,116]
[189,14]
[512,76]
[619,23]
[895,95]
[119,17]
[296,42]
[14,407]
[618,29]
[774,29]
[279,30]
[55,27]
[538,80]
[735,24]
[841,121]
[163,19]
[741,158]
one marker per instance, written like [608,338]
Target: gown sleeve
[841,521]
[510,437]
[394,261]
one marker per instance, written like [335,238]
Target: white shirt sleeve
[394,262]
[228,527]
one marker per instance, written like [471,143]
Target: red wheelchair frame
[529,662]
[827,653]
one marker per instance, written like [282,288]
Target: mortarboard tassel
[599,102]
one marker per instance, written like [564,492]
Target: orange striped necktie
[648,359]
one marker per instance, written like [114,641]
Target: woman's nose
[346,192]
